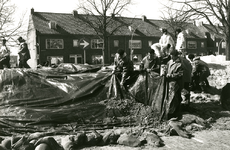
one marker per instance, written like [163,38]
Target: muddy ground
[206,106]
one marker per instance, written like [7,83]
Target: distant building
[66,38]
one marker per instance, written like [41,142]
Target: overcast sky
[149,8]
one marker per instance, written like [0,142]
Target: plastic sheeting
[30,100]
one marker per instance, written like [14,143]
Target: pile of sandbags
[40,141]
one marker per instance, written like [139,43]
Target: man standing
[4,55]
[181,43]
[23,53]
[174,82]
[166,41]
[123,66]
[151,62]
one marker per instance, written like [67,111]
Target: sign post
[84,44]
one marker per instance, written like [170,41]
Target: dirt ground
[203,105]
[206,106]
[202,140]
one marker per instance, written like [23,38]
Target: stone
[80,139]
[43,146]
[36,135]
[152,139]
[94,138]
[110,138]
[67,142]
[50,141]
[128,140]
[177,127]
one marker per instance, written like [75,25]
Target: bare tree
[8,26]
[212,11]
[100,16]
[174,17]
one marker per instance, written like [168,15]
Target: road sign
[84,43]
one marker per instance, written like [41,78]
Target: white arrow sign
[84,43]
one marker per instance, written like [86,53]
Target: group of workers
[182,73]
[24,54]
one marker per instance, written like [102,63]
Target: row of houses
[62,37]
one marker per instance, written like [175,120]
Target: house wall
[199,49]
[88,54]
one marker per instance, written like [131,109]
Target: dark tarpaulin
[29,100]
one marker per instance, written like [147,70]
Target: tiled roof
[68,24]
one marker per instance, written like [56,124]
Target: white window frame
[60,42]
[75,43]
[116,43]
[97,44]
[202,44]
[99,57]
[223,44]
[150,43]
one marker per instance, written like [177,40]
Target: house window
[54,44]
[97,59]
[150,43]
[223,45]
[217,44]
[75,43]
[75,58]
[192,45]
[202,44]
[55,59]
[135,44]
[116,43]
[97,43]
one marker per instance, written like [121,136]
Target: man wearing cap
[23,53]
[4,55]
[151,62]
[174,82]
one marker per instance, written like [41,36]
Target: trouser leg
[186,93]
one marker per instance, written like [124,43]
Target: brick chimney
[32,11]
[144,18]
[75,13]
[113,15]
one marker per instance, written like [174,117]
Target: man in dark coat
[24,53]
[123,66]
[200,73]
[174,84]
[4,55]
[151,62]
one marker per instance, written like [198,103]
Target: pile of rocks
[123,136]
